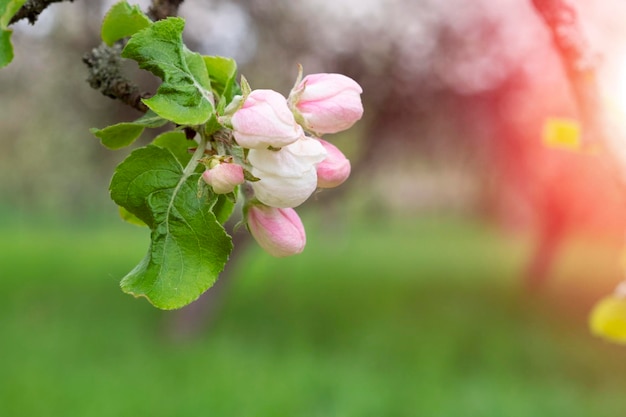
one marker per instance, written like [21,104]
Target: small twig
[32,9]
[105,75]
[161,9]
[104,62]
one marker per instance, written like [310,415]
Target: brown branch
[105,75]
[32,9]
[104,62]
[161,9]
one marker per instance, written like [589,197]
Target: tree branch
[104,62]
[105,75]
[161,9]
[32,9]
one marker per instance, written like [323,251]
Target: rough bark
[162,9]
[104,62]
[105,75]
[32,9]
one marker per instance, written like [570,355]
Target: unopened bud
[224,177]
[328,103]
[333,170]
[279,231]
[265,120]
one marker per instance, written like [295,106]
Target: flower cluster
[284,158]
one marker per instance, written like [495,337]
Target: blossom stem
[197,156]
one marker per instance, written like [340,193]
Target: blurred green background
[412,297]
[352,327]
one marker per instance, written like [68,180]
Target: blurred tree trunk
[579,65]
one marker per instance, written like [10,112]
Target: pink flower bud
[279,231]
[224,177]
[333,170]
[265,120]
[329,103]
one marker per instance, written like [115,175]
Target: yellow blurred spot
[608,319]
[562,133]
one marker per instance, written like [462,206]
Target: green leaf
[185,95]
[123,134]
[123,21]
[129,217]
[189,247]
[6,49]
[177,143]
[223,207]
[8,8]
[223,72]
[212,125]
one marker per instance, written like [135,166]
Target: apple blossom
[328,103]
[334,169]
[256,150]
[287,177]
[279,231]
[265,120]
[224,177]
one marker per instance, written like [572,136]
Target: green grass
[403,317]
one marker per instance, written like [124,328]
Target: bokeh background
[452,275]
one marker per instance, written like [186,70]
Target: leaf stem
[197,156]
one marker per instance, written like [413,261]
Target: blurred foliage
[420,75]
[457,96]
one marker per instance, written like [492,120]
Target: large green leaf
[123,134]
[185,96]
[122,21]
[189,247]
